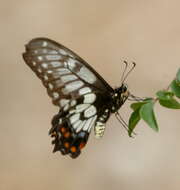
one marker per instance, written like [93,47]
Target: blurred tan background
[103,33]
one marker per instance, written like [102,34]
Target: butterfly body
[85,99]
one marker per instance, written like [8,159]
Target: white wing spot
[58,84]
[50,86]
[35,51]
[71,63]
[60,121]
[101,119]
[45,77]
[73,102]
[80,126]
[44,44]
[39,70]
[86,75]
[65,91]
[76,124]
[61,51]
[92,123]
[44,51]
[55,95]
[44,65]
[65,64]
[40,58]
[66,107]
[73,86]
[89,98]
[62,71]
[49,71]
[90,111]
[63,102]
[74,118]
[53,57]
[68,78]
[72,111]
[87,124]
[106,110]
[56,63]
[34,63]
[81,107]
[84,90]
[53,52]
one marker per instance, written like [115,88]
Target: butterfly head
[121,94]
[119,97]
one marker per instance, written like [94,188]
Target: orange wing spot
[73,149]
[63,129]
[82,145]
[66,144]
[67,134]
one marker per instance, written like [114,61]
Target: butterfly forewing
[61,70]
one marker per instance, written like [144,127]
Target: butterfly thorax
[117,99]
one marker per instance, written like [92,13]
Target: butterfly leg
[123,123]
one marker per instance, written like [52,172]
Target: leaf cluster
[144,110]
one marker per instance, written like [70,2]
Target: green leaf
[133,120]
[164,95]
[167,100]
[137,105]
[178,76]
[175,88]
[171,103]
[147,114]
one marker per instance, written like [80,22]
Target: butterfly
[84,98]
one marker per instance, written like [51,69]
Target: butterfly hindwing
[71,129]
[74,86]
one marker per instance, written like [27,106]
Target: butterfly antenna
[126,65]
[123,123]
[125,77]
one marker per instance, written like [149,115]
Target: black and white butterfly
[85,99]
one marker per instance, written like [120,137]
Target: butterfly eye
[125,92]
[124,88]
